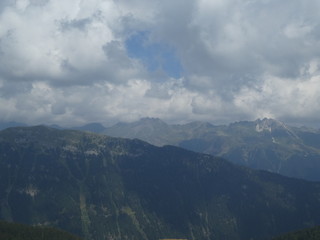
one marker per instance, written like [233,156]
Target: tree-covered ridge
[15,231]
[305,234]
[100,187]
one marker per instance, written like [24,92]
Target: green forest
[305,234]
[16,231]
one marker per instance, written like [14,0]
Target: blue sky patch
[155,56]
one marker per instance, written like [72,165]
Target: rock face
[108,188]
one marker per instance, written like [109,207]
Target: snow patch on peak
[270,125]
[261,128]
[266,124]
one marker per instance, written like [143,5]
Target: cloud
[72,62]
[282,98]
[57,41]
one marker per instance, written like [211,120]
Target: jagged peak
[269,121]
[268,124]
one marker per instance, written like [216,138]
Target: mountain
[4,125]
[15,231]
[145,128]
[157,132]
[101,187]
[265,144]
[305,234]
[91,127]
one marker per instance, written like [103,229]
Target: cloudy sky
[79,61]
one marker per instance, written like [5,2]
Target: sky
[78,61]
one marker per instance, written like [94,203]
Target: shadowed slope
[109,188]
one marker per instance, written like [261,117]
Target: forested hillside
[305,234]
[15,231]
[100,187]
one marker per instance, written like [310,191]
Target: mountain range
[265,144]
[101,187]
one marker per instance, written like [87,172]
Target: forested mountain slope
[109,188]
[305,234]
[15,231]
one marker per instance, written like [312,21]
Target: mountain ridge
[110,188]
[265,144]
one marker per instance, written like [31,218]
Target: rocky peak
[271,125]
[268,124]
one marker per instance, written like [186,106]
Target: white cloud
[66,61]
[281,98]
[36,43]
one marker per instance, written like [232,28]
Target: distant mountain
[15,231]
[4,125]
[91,127]
[262,144]
[157,132]
[145,129]
[305,234]
[100,187]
